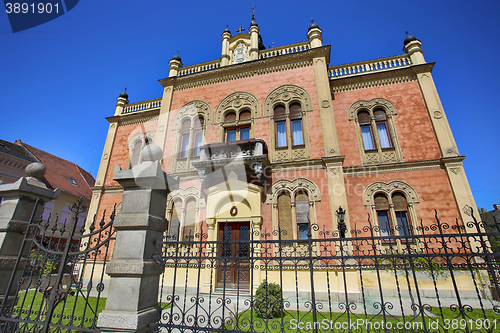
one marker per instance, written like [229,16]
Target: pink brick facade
[421,167]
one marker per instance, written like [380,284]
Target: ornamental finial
[253,12]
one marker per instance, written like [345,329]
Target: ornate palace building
[280,138]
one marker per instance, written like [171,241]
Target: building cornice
[248,69]
[377,79]
[134,118]
[403,166]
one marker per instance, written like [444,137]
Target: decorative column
[254,40]
[224,59]
[22,202]
[134,276]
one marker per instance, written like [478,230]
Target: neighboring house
[73,181]
[371,137]
[13,160]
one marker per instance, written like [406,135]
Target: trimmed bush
[268,300]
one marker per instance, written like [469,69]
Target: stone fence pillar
[132,302]
[22,201]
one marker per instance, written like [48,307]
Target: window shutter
[245,115]
[285,215]
[364,118]
[381,202]
[399,201]
[190,220]
[279,113]
[295,111]
[230,117]
[302,207]
[379,115]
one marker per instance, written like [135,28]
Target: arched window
[185,131]
[288,119]
[296,121]
[237,126]
[135,146]
[382,208]
[376,130]
[302,212]
[174,225]
[364,121]
[190,220]
[285,216]
[392,214]
[401,212]
[136,153]
[198,135]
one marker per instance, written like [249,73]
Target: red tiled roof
[58,172]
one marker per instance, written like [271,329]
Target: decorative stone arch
[238,101]
[371,105]
[192,110]
[292,187]
[150,135]
[287,94]
[184,194]
[141,136]
[388,189]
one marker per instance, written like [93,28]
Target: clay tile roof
[17,150]
[59,172]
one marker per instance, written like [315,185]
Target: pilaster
[164,117]
[328,127]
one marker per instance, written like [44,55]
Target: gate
[438,277]
[61,286]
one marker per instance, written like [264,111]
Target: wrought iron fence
[58,279]
[438,277]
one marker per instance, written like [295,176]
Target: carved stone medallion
[240,53]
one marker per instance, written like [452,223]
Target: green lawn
[84,311]
[75,311]
[326,322]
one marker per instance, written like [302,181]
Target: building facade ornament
[287,93]
[237,101]
[193,109]
[292,187]
[388,189]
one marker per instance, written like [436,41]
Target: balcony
[248,158]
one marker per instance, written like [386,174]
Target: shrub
[268,300]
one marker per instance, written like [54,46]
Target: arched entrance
[234,213]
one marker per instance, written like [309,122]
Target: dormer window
[72,181]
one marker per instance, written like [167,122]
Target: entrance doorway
[234,251]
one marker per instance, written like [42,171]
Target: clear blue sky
[60,80]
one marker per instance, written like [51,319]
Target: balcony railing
[377,65]
[287,49]
[252,153]
[205,66]
[143,106]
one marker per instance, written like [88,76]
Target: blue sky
[60,80]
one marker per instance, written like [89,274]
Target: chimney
[496,206]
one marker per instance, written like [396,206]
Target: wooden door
[234,251]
